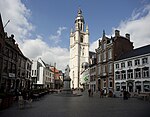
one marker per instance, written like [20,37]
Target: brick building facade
[108,51]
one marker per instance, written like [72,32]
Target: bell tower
[79,49]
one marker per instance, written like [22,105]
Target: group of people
[103,93]
[23,97]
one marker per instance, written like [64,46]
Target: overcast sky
[42,27]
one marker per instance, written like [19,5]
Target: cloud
[18,15]
[19,25]
[37,48]
[94,45]
[138,26]
[56,38]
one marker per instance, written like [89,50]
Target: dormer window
[144,61]
[117,66]
[137,62]
[129,63]
[123,65]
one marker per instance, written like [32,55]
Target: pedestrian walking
[89,92]
[125,95]
[101,93]
[20,101]
[29,99]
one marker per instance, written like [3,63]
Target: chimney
[12,36]
[117,33]
[127,36]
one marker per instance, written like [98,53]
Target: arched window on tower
[83,51]
[81,39]
[81,26]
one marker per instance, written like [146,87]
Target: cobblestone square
[82,106]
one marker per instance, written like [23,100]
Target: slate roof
[136,52]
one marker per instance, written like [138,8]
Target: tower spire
[79,11]
[103,33]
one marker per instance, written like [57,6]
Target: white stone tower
[79,49]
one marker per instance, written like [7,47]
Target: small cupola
[79,21]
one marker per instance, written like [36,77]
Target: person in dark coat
[101,93]
[89,91]
[125,95]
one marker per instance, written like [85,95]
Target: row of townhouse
[109,50]
[41,74]
[116,66]
[120,67]
[132,70]
[45,76]
[15,68]
[17,72]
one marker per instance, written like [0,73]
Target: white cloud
[18,14]
[37,48]
[138,26]
[94,45]
[56,38]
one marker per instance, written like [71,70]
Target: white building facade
[79,49]
[42,75]
[132,71]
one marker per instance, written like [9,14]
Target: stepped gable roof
[136,52]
